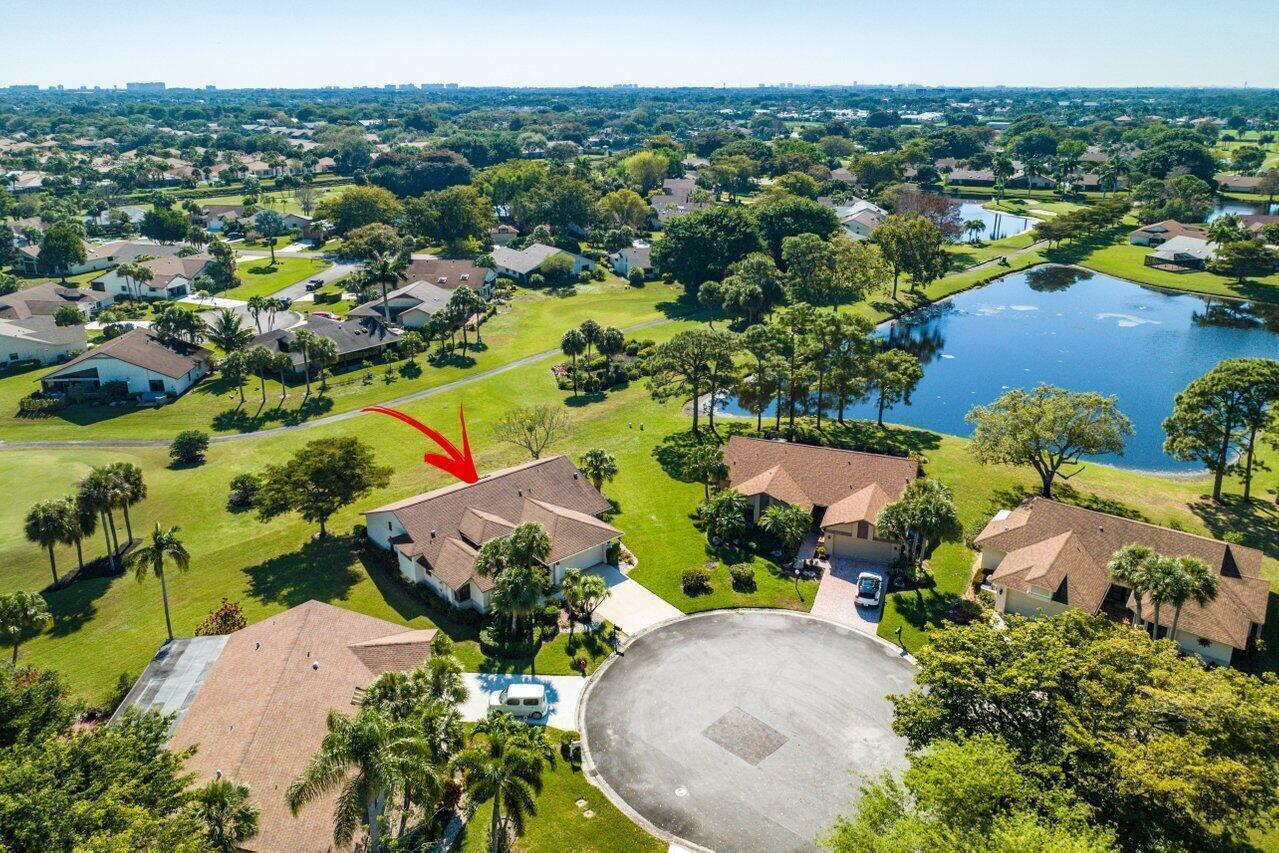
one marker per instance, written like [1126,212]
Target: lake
[998,223]
[1080,330]
[1240,208]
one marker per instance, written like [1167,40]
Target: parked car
[314,284]
[870,588]
[521,700]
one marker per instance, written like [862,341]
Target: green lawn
[532,323]
[259,278]
[561,824]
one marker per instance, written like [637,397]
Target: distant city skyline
[663,43]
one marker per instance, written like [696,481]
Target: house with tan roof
[255,703]
[436,536]
[1044,557]
[172,277]
[139,360]
[845,490]
[1158,233]
[39,339]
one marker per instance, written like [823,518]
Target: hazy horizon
[662,44]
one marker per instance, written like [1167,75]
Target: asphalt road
[747,730]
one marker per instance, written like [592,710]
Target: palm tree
[48,524]
[1002,168]
[598,465]
[573,344]
[255,306]
[788,524]
[1128,568]
[358,756]
[224,812]
[86,524]
[129,490]
[236,368]
[261,361]
[705,463]
[386,270]
[583,592]
[517,591]
[96,493]
[165,547]
[22,613]
[506,768]
[1195,582]
[973,227]
[591,332]
[228,332]
[303,341]
[1163,582]
[323,353]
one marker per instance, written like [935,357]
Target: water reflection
[1051,279]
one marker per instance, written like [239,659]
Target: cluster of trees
[1240,252]
[1072,733]
[1084,222]
[801,360]
[608,341]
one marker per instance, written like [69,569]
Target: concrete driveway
[838,588]
[326,275]
[562,694]
[630,605]
[743,730]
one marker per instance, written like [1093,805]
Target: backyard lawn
[259,278]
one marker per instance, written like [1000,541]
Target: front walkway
[837,590]
[630,605]
[562,695]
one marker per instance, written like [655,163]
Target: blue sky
[653,42]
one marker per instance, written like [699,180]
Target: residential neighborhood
[644,458]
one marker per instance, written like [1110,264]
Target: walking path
[327,419]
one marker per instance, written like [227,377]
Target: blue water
[1240,208]
[1083,331]
[998,224]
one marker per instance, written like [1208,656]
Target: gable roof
[444,528]
[141,347]
[351,336]
[46,299]
[1170,228]
[1096,536]
[447,274]
[42,329]
[523,261]
[810,476]
[168,267]
[427,296]
[261,709]
[1184,247]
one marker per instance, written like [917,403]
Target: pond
[998,223]
[1240,208]
[1080,330]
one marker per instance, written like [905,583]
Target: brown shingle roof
[260,712]
[45,300]
[448,274]
[812,476]
[1228,619]
[141,347]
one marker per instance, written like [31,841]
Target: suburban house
[519,264]
[632,257]
[45,300]
[502,234]
[436,536]
[38,338]
[172,278]
[356,340]
[1157,233]
[255,702]
[1046,556]
[1181,253]
[843,489]
[215,218]
[860,218]
[410,306]
[1237,183]
[1258,222]
[139,359]
[841,174]
[964,176]
[100,256]
[451,274]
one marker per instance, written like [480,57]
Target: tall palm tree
[96,493]
[323,352]
[255,306]
[165,547]
[572,345]
[1163,580]
[49,524]
[261,362]
[129,489]
[86,525]
[22,613]
[504,764]
[357,755]
[303,343]
[788,524]
[1128,568]
[386,270]
[228,332]
[225,814]
[1195,582]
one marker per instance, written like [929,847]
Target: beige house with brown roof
[255,702]
[436,536]
[137,359]
[1045,557]
[845,490]
[172,277]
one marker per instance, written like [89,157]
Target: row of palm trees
[395,762]
[1162,580]
[228,332]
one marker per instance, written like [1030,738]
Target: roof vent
[257,646]
[519,493]
[432,532]
[466,276]
[315,664]
[1100,529]
[441,279]
[574,475]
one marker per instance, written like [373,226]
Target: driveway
[326,275]
[838,588]
[562,694]
[743,730]
[630,605]
[206,302]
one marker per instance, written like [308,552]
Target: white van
[521,700]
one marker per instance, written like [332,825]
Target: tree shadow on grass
[925,609]
[450,359]
[238,419]
[409,605]
[322,569]
[584,398]
[671,452]
[1257,521]
[75,606]
[1067,494]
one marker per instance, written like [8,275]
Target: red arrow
[458,463]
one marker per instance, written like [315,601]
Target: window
[156,386]
[388,525]
[531,702]
[863,530]
[463,594]
[513,702]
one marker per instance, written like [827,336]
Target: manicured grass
[280,243]
[532,323]
[259,278]
[965,254]
[282,200]
[562,825]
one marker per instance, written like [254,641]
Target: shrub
[244,490]
[189,446]
[966,610]
[696,579]
[33,405]
[225,618]
[743,576]
[1234,537]
[635,277]
[537,280]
